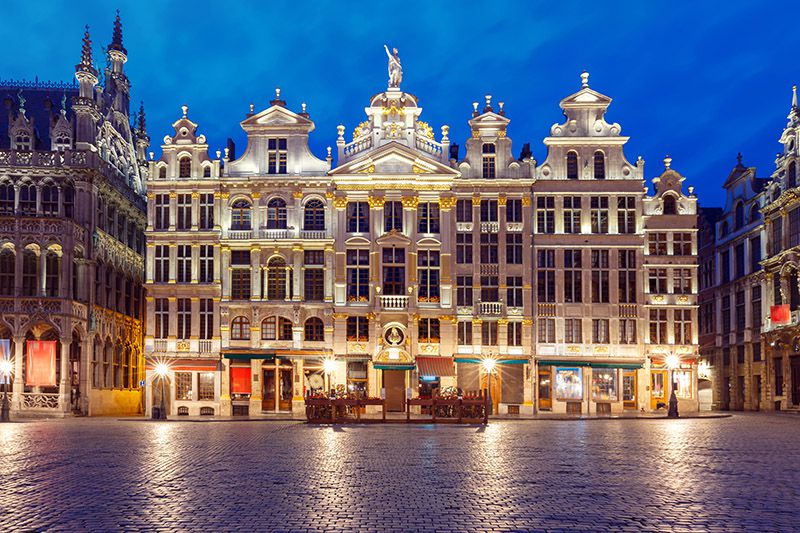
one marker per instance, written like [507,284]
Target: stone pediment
[586,97]
[395,159]
[394,237]
[277,116]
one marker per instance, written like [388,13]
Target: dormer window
[207,172]
[670,208]
[22,141]
[62,143]
[489,156]
[599,165]
[162,173]
[572,165]
[185,167]
[276,156]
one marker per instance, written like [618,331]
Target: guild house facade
[398,270]
[72,220]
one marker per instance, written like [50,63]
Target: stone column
[173,263]
[328,273]
[297,273]
[225,405]
[43,273]
[87,355]
[63,382]
[19,383]
[255,386]
[256,290]
[173,210]
[18,271]
[195,269]
[195,210]
[222,270]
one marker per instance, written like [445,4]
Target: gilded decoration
[416,169]
[447,202]
[367,170]
[360,129]
[476,200]
[526,201]
[340,202]
[425,129]
[501,200]
[297,195]
[376,202]
[410,202]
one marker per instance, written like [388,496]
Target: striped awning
[436,366]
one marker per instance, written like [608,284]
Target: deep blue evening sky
[699,82]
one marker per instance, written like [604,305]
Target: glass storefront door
[629,389]
[545,389]
[658,388]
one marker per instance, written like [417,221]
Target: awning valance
[476,360]
[593,364]
[390,366]
[245,355]
[436,366]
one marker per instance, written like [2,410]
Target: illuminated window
[276,156]
[428,273]
[205,386]
[183,385]
[357,329]
[489,157]
[429,330]
[357,275]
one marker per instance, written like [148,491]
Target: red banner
[780,315]
[240,380]
[40,369]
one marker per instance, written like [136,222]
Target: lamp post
[161,372]
[673,361]
[488,365]
[328,365]
[6,367]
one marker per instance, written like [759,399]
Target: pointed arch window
[240,328]
[670,208]
[276,279]
[240,215]
[185,167]
[22,141]
[599,165]
[7,266]
[314,329]
[572,165]
[6,199]
[27,199]
[314,216]
[69,201]
[62,142]
[276,214]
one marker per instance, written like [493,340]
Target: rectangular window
[657,243]
[162,264]
[489,333]
[600,276]
[392,216]
[357,329]
[489,249]
[599,214]
[183,385]
[681,244]
[490,292]
[184,318]
[206,211]
[740,354]
[162,318]
[573,330]
[357,217]
[756,351]
[546,276]
[755,306]
[206,263]
[276,156]
[794,227]
[428,273]
[545,214]
[755,253]
[428,330]
[572,214]
[657,281]
[357,275]
[627,276]
[658,326]
[738,261]
[465,333]
[514,210]
[240,275]
[428,217]
[626,214]
[726,313]
[546,330]
[725,266]
[514,291]
[489,156]
[464,248]
[682,281]
[778,366]
[605,384]
[464,210]
[314,284]
[514,333]
[488,210]
[184,263]
[627,331]
[740,318]
[514,248]
[162,211]
[206,318]
[777,235]
[573,276]
[205,386]
[464,290]
[600,331]
[184,221]
[394,271]
[682,324]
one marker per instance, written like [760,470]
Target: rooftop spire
[794,96]
[116,39]
[86,49]
[142,123]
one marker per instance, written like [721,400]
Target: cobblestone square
[732,474]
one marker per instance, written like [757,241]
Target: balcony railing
[490,308]
[490,270]
[490,227]
[160,345]
[313,234]
[392,302]
[205,346]
[274,233]
[239,235]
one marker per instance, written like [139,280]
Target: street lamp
[488,365]
[328,366]
[161,371]
[673,361]
[6,367]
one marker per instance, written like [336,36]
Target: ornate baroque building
[72,217]
[275,275]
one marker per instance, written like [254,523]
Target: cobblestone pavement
[738,473]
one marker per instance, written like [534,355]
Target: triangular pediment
[395,158]
[586,97]
[393,237]
[276,116]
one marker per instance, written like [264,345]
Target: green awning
[625,366]
[389,366]
[246,356]
[498,361]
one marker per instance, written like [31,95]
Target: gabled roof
[277,117]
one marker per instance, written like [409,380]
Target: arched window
[6,199]
[7,266]
[276,328]
[108,357]
[185,167]
[314,329]
[276,279]
[739,215]
[284,329]
[50,200]
[669,205]
[791,175]
[30,273]
[62,142]
[240,215]
[723,230]
[276,214]
[52,274]
[162,173]
[572,165]
[27,199]
[23,141]
[314,216]
[754,214]
[240,328]
[69,201]
[599,165]
[207,171]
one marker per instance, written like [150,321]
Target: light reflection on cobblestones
[739,473]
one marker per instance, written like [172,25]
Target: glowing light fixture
[489,364]
[162,370]
[673,361]
[6,367]
[329,365]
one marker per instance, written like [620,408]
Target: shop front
[674,373]
[502,378]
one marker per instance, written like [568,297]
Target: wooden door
[394,382]
[285,389]
[658,388]
[269,392]
[545,389]
[629,389]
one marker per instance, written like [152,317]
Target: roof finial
[303,107]
[86,49]
[142,124]
[488,106]
[667,162]
[185,109]
[116,39]
[739,159]
[585,79]
[794,96]
[277,93]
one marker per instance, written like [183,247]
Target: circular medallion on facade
[394,336]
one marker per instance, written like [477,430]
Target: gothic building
[400,270]
[72,217]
